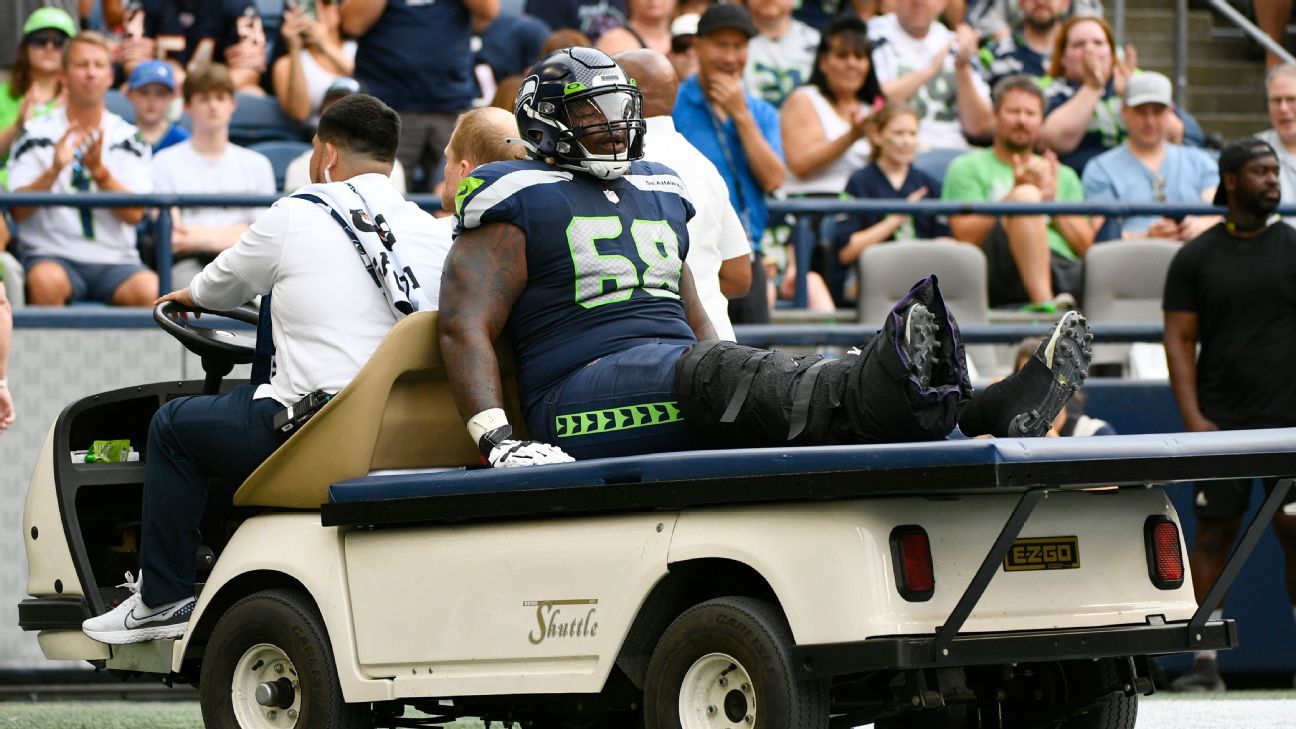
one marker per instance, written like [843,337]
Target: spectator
[648,25]
[207,162]
[1280,93]
[193,34]
[1029,258]
[1231,291]
[1273,16]
[683,33]
[944,85]
[15,14]
[416,57]
[719,254]
[151,91]
[316,56]
[1147,168]
[83,254]
[1027,47]
[510,45]
[997,19]
[6,334]
[782,56]
[297,175]
[824,122]
[1084,96]
[737,132]
[35,86]
[591,17]
[891,176]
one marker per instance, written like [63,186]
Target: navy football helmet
[577,109]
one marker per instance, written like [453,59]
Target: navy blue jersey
[185,28]
[603,261]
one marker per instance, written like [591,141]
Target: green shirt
[980,176]
[9,107]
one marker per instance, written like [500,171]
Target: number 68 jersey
[604,260]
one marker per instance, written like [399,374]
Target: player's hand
[6,409]
[512,453]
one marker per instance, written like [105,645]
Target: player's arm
[698,320]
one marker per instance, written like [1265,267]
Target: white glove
[512,453]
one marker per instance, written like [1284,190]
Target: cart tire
[274,636]
[1090,678]
[725,660]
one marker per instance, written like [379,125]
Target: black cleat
[1066,354]
[920,343]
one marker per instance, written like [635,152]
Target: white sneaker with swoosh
[134,622]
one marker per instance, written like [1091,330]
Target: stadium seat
[888,271]
[1123,282]
[118,104]
[261,119]
[934,162]
[281,154]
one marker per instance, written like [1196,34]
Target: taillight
[1164,553]
[912,560]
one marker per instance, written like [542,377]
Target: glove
[512,453]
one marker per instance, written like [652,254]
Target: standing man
[737,132]
[1280,93]
[1231,290]
[719,252]
[1147,168]
[1031,259]
[83,254]
[416,57]
[327,316]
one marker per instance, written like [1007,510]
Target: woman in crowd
[315,57]
[34,86]
[647,26]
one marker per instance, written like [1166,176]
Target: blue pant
[620,405]
[191,441]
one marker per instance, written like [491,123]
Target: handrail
[1251,29]
[803,209]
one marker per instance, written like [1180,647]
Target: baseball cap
[341,86]
[726,17]
[686,24]
[55,18]
[1236,154]
[1148,87]
[152,72]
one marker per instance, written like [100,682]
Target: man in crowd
[151,90]
[780,56]
[920,61]
[1280,94]
[415,56]
[327,318]
[209,163]
[737,132]
[189,35]
[719,252]
[83,254]
[1027,48]
[1147,168]
[1230,289]
[630,364]
[1032,259]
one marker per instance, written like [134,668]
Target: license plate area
[1043,553]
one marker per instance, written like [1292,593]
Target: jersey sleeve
[31,154]
[491,193]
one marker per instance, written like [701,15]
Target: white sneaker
[134,622]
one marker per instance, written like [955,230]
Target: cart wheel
[727,663]
[269,665]
[1091,678]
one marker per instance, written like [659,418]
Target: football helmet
[577,109]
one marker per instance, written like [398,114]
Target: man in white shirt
[327,318]
[781,57]
[922,62]
[208,163]
[719,253]
[82,254]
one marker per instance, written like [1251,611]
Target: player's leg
[1026,402]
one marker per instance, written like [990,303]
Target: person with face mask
[326,320]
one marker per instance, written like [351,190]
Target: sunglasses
[682,43]
[51,38]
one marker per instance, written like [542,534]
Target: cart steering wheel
[220,349]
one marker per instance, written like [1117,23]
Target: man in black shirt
[1232,289]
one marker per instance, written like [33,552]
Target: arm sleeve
[247,268]
[1180,294]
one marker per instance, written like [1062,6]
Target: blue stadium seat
[935,161]
[260,119]
[118,104]
[281,154]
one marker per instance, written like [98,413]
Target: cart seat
[398,413]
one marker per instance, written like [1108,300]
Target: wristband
[485,421]
[4,383]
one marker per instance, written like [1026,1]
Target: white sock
[1205,656]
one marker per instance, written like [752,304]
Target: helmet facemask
[604,128]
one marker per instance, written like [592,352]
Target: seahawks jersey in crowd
[604,260]
[194,30]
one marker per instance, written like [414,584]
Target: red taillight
[911,557]
[1164,554]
